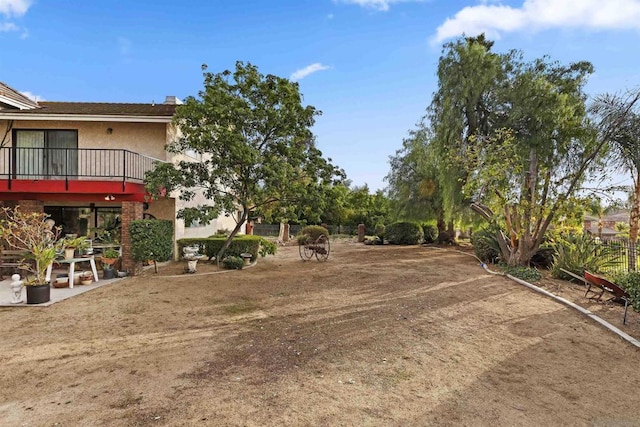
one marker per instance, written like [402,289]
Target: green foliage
[210,246]
[257,150]
[430,233]
[30,233]
[544,257]
[527,274]
[379,230]
[233,263]
[151,239]
[485,244]
[112,253]
[267,247]
[404,233]
[79,243]
[630,282]
[579,252]
[311,232]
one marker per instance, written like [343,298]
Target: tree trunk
[634,218]
[238,227]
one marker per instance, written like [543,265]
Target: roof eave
[15,103]
[85,117]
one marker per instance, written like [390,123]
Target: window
[45,153]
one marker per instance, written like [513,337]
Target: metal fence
[73,163]
[273,230]
[620,255]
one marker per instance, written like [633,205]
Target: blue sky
[369,65]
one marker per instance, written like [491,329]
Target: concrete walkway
[57,294]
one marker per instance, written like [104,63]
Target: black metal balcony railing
[73,164]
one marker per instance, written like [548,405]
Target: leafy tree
[533,166]
[414,185]
[464,107]
[595,207]
[368,209]
[257,151]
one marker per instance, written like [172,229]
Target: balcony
[56,170]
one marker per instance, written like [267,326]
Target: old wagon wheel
[322,248]
[306,249]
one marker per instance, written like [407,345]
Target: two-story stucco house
[84,163]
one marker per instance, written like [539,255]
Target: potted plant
[31,233]
[86,278]
[71,243]
[109,258]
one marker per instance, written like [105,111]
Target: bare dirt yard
[378,335]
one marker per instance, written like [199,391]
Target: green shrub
[524,273]
[430,233]
[210,246]
[311,232]
[379,230]
[577,252]
[630,282]
[544,257]
[233,263]
[151,239]
[485,244]
[267,247]
[404,233]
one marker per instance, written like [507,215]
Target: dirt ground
[378,335]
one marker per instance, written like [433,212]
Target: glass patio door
[46,154]
[29,154]
[61,156]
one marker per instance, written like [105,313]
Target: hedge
[210,246]
[404,233]
[151,239]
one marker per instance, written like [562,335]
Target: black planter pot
[108,273]
[38,294]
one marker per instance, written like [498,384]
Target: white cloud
[8,26]
[309,69]
[382,5]
[536,15]
[32,96]
[14,7]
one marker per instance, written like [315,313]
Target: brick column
[31,206]
[130,211]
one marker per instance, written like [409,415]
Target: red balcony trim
[84,190]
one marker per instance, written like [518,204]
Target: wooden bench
[10,259]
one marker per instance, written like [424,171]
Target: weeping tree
[413,178]
[464,108]
[253,138]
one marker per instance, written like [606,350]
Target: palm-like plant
[620,125]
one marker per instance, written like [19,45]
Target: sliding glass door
[51,154]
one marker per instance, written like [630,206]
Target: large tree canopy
[511,137]
[253,137]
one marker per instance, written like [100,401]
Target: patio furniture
[72,265]
[10,259]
